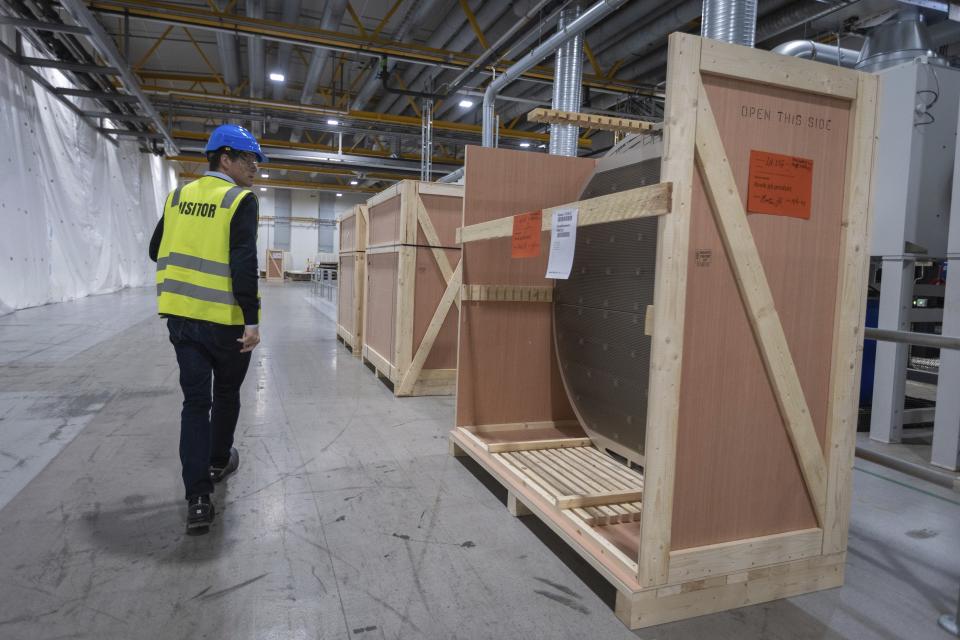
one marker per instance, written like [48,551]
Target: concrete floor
[348,519]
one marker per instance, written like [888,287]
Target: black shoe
[200,513]
[219,473]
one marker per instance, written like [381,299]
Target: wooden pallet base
[430,382]
[348,341]
[543,468]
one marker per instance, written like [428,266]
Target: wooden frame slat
[848,328]
[669,306]
[642,202]
[591,121]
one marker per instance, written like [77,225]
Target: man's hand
[250,339]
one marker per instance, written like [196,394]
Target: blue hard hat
[234,137]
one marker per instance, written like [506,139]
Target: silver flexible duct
[733,21]
[589,18]
[567,79]
[810,50]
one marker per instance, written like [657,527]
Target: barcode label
[563,240]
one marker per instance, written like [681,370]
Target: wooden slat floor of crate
[597,489]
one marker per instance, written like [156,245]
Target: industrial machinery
[600,311]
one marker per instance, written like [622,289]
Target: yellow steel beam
[342,102]
[142,61]
[186,15]
[592,58]
[204,57]
[368,153]
[383,22]
[356,19]
[472,19]
[413,104]
[280,166]
[615,67]
[362,116]
[295,184]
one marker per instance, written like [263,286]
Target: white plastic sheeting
[76,212]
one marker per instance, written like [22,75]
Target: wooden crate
[755,355]
[412,282]
[351,278]
[274,265]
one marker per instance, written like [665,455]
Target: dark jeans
[207,352]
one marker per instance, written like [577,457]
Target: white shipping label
[563,241]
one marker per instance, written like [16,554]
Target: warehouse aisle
[348,518]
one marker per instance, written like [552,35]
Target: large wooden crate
[412,282]
[351,278]
[744,493]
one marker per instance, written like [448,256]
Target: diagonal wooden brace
[433,239]
[443,308]
[734,228]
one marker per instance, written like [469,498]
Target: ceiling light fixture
[277,77]
[339,195]
[333,122]
[264,175]
[354,183]
[466,104]
[524,144]
[263,188]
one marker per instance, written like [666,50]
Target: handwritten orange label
[526,235]
[780,185]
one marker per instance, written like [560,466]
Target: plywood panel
[348,232]
[736,474]
[381,303]
[384,222]
[428,290]
[507,368]
[345,304]
[445,212]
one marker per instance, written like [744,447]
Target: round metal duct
[599,312]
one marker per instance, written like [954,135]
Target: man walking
[205,247]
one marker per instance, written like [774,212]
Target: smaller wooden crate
[274,265]
[352,279]
[412,281]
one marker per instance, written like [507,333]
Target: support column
[890,373]
[946,422]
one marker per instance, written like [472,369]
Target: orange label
[526,235]
[780,185]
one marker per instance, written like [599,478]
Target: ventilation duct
[810,50]
[567,78]
[733,21]
[900,39]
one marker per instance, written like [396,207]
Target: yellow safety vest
[193,263]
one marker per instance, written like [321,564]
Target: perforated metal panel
[599,312]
